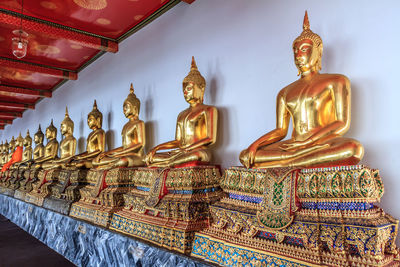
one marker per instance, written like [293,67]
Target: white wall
[243,49]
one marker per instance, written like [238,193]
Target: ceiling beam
[58,31]
[6,104]
[5,121]
[10,114]
[25,91]
[47,70]
[2,127]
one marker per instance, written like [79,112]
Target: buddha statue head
[51,131]
[12,144]
[27,140]
[194,85]
[95,118]
[67,125]
[20,140]
[39,136]
[131,105]
[307,49]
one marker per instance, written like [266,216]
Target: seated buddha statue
[51,148]
[196,128]
[27,153]
[133,139]
[4,154]
[16,155]
[11,148]
[38,152]
[319,105]
[67,145]
[95,143]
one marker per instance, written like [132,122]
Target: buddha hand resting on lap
[196,128]
[319,105]
[133,139]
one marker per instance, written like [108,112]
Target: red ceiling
[64,36]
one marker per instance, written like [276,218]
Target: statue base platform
[66,190]
[167,206]
[15,181]
[30,177]
[41,188]
[322,216]
[103,196]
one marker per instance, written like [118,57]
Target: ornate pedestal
[103,196]
[66,190]
[323,216]
[12,183]
[41,188]
[167,206]
[25,185]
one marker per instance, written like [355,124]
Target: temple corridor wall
[244,50]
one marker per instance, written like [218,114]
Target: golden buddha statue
[319,105]
[196,128]
[27,153]
[133,139]
[67,145]
[95,143]
[51,148]
[15,155]
[11,147]
[38,152]
[4,155]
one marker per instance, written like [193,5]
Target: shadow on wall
[110,134]
[150,130]
[81,139]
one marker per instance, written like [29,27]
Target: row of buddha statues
[319,105]
[302,198]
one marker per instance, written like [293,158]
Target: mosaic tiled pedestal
[103,196]
[42,187]
[30,176]
[65,191]
[323,216]
[166,207]
[84,244]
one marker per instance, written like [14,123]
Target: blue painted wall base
[84,244]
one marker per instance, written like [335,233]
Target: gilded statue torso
[67,147]
[38,152]
[93,140]
[130,134]
[51,148]
[27,154]
[311,103]
[191,125]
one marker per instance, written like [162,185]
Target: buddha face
[37,139]
[130,110]
[305,55]
[192,93]
[27,142]
[64,128]
[50,134]
[93,123]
